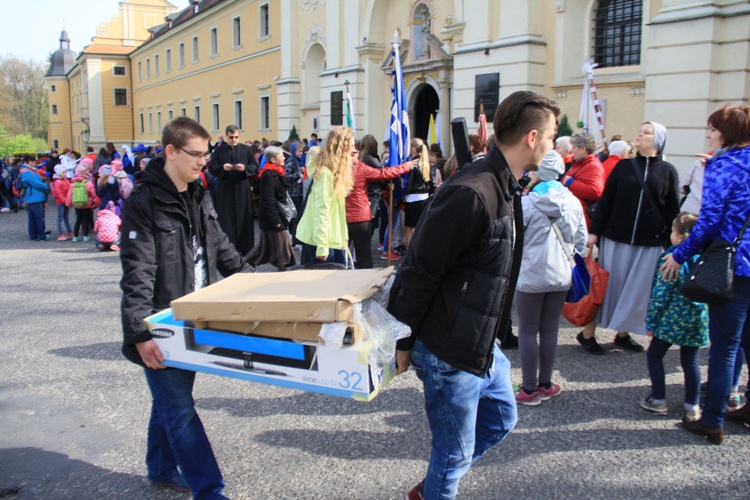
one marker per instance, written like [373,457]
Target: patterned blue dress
[671,316]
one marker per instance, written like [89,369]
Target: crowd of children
[72,183]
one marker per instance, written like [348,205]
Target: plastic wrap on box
[381,329]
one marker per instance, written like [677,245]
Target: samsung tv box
[308,366]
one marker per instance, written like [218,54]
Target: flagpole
[398,136]
[390,221]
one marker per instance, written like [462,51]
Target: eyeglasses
[233,137]
[196,154]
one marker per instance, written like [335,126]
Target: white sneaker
[5,209]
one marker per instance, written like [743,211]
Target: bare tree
[23,97]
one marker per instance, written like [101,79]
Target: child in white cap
[545,275]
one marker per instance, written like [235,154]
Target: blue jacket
[725,206]
[36,188]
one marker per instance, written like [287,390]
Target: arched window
[617,33]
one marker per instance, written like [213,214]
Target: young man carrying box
[172,245]
[455,287]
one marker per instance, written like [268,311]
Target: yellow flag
[432,137]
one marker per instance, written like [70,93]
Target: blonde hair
[424,158]
[311,161]
[336,156]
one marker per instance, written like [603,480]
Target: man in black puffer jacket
[455,287]
[172,245]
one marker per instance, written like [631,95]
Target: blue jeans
[467,416]
[35,213]
[63,216]
[728,328]
[690,367]
[334,256]
[176,436]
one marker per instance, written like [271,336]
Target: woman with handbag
[553,221]
[725,210]
[275,245]
[632,225]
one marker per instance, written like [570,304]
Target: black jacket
[374,188]
[455,286]
[417,184]
[272,189]
[156,250]
[234,198]
[621,203]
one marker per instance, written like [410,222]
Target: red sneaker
[546,394]
[526,399]
[416,493]
[394,256]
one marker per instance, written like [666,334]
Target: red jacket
[60,190]
[357,203]
[609,164]
[585,179]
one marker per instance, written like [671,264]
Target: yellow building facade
[271,65]
[217,66]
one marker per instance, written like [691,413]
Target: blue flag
[399,130]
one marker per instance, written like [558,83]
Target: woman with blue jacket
[34,196]
[724,209]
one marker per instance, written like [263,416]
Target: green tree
[293,135]
[23,97]
[563,128]
[20,145]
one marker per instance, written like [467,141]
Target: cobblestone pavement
[73,413]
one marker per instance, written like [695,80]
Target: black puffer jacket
[157,250]
[455,286]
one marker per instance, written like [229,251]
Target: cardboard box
[294,296]
[307,366]
[284,330]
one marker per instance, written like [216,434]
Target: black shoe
[590,345]
[509,342]
[628,344]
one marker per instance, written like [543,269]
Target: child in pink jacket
[85,213]
[60,186]
[107,229]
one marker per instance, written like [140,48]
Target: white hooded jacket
[544,267]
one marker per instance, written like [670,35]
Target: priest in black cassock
[234,165]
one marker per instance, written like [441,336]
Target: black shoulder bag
[648,194]
[711,278]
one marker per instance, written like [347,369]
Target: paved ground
[73,413]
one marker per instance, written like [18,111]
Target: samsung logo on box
[162,333]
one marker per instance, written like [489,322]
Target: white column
[287,85]
[332,33]
[705,47]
